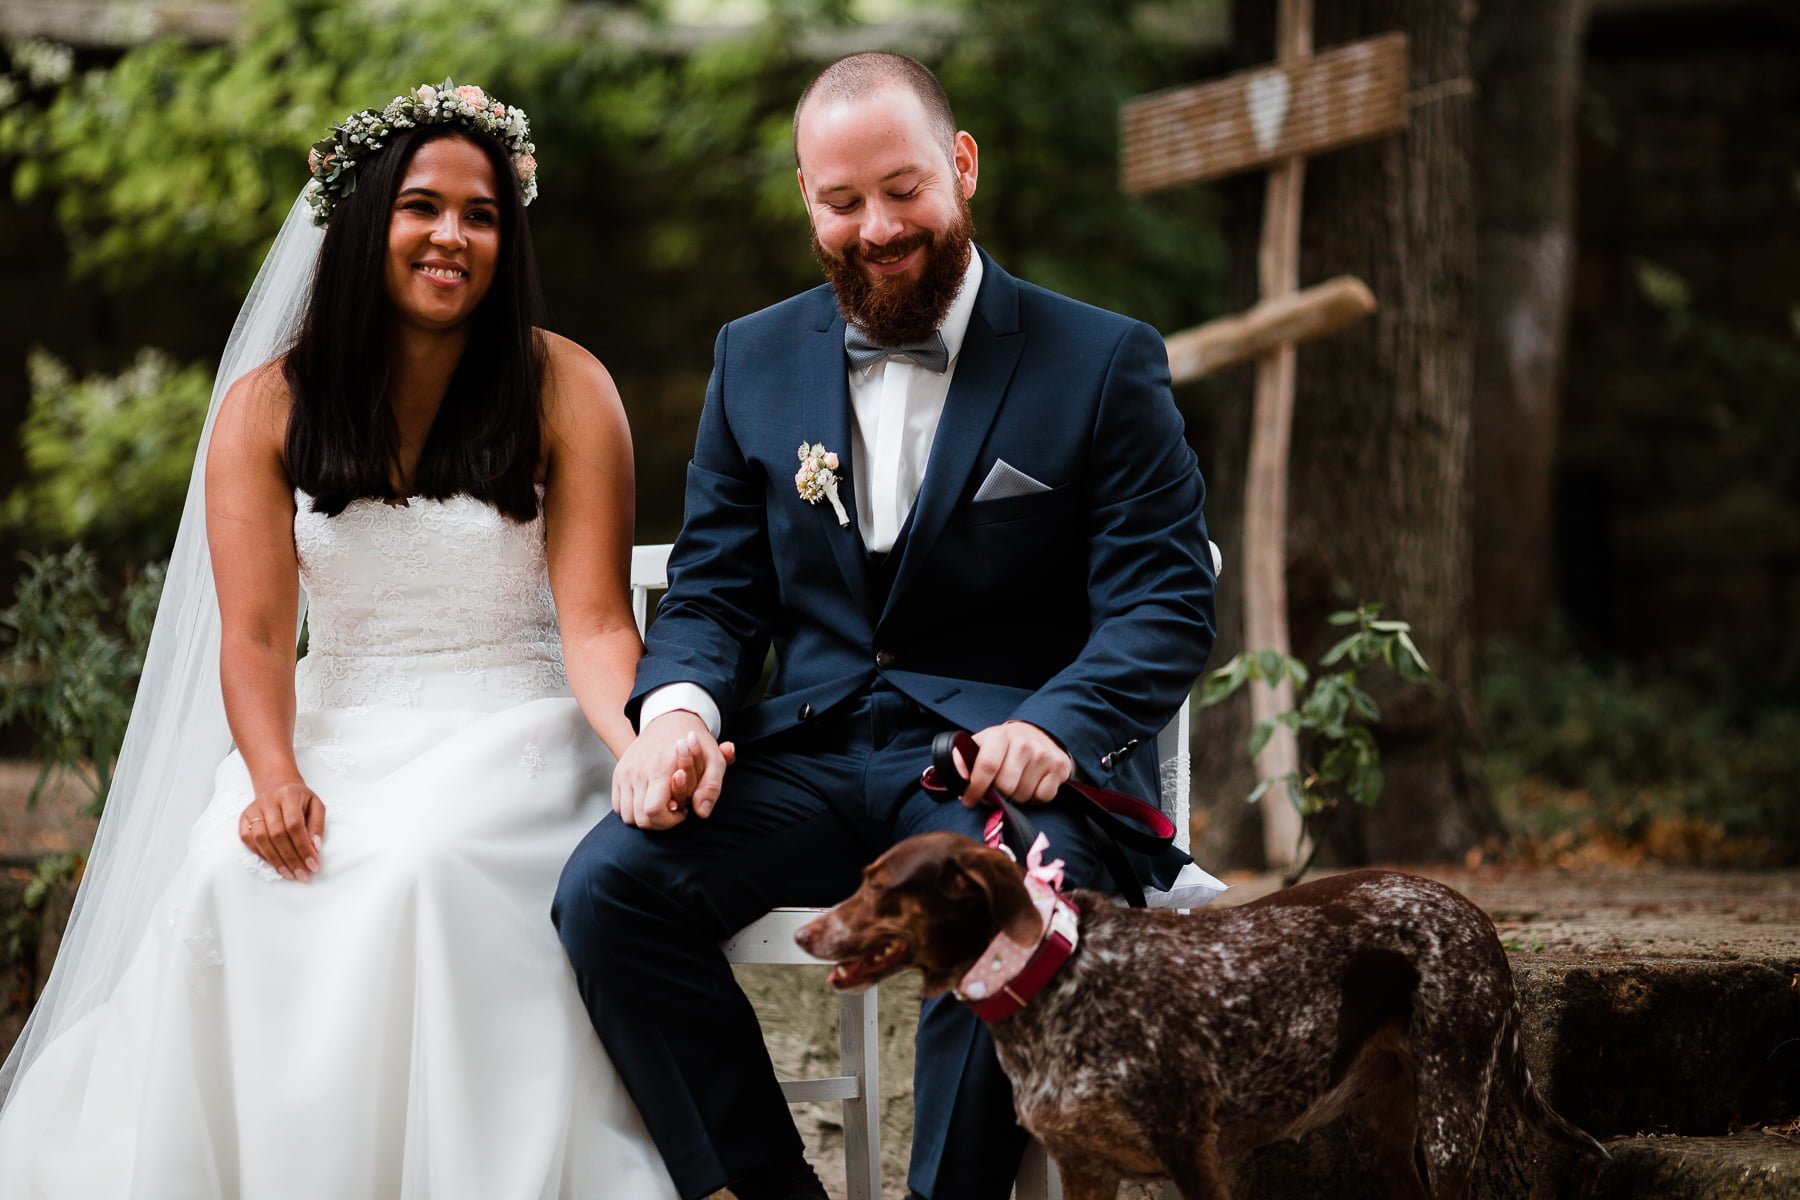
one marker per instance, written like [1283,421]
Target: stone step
[1759,1165]
[1743,1166]
[1629,1045]
[1622,1047]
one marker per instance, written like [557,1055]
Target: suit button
[805,711]
[884,659]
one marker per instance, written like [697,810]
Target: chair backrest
[650,572]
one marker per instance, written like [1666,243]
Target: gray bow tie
[864,352]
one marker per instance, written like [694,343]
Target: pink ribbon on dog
[1048,873]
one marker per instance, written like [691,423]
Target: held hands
[674,767]
[285,826]
[1018,760]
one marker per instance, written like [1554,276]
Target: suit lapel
[824,384]
[984,370]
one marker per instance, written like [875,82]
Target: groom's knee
[597,892]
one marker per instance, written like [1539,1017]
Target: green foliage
[1334,715]
[185,159]
[25,926]
[1743,383]
[1040,86]
[73,659]
[108,457]
[1689,761]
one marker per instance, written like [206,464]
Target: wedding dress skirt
[405,1024]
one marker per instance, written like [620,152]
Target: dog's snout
[812,936]
[805,935]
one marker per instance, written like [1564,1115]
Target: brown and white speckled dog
[1169,1044]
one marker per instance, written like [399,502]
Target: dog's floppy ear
[997,878]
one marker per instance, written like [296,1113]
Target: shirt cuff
[670,697]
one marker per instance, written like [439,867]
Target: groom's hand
[1018,760]
[673,767]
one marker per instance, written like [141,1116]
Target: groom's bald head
[858,75]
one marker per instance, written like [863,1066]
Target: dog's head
[933,902]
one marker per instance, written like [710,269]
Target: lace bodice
[435,604]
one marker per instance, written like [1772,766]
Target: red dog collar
[1007,975]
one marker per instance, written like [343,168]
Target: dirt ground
[1646,912]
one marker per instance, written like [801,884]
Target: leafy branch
[71,664]
[1333,716]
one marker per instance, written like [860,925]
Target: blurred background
[1566,448]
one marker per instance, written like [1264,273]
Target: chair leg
[1038,1178]
[859,1041]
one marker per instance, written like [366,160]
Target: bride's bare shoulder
[577,387]
[265,386]
[569,365]
[255,408]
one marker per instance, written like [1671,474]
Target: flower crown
[334,157]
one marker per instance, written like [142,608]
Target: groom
[999,529]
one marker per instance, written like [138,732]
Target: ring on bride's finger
[254,821]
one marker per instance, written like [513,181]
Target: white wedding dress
[405,1024]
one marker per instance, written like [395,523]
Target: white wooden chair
[771,940]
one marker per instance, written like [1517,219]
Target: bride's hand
[284,827]
[673,768]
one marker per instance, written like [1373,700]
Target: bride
[338,978]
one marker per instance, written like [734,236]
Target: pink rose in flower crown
[363,133]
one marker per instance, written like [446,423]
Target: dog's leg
[1086,1179]
[1196,1168]
[1383,1122]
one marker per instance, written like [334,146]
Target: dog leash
[1114,819]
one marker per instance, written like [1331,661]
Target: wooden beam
[1321,309]
[1301,105]
[1266,489]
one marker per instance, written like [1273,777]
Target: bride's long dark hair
[342,440]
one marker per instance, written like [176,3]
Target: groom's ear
[965,159]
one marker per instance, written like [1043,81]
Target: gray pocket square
[1005,481]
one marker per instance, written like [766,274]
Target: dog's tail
[1525,1091]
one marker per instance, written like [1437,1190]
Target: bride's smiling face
[443,234]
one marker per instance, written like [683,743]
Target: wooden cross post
[1272,117]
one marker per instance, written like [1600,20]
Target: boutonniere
[817,478]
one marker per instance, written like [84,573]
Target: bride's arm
[250,534]
[589,513]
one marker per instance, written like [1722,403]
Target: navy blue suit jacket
[1086,610]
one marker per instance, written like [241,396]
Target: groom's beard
[893,310]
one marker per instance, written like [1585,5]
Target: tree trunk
[1379,505]
[1527,62]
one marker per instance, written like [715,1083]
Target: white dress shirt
[894,412]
